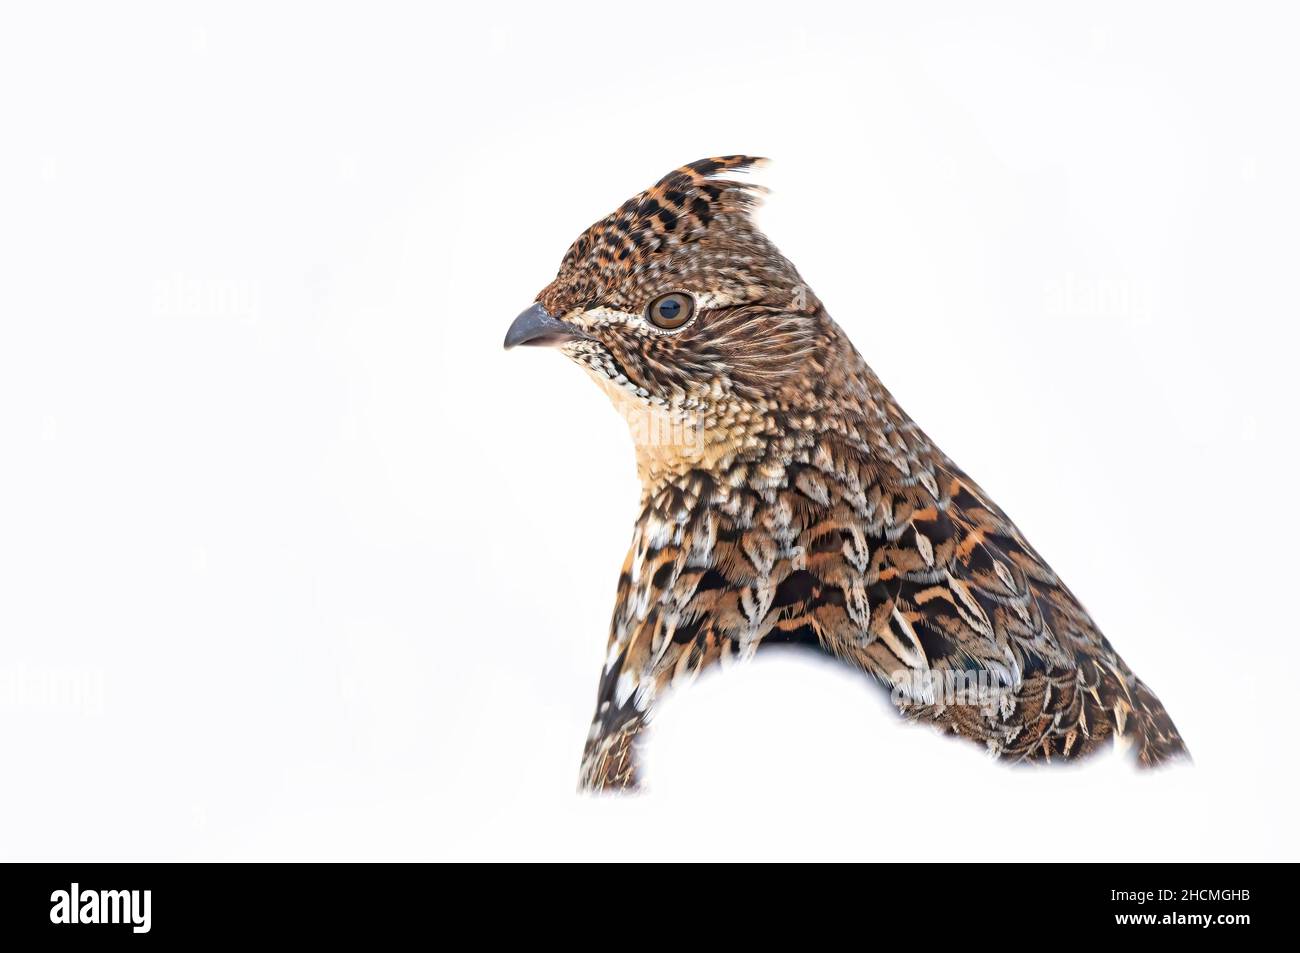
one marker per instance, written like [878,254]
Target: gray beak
[539,329]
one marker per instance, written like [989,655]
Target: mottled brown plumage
[787,498]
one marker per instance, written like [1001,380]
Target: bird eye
[671,311]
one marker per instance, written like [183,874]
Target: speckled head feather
[787,498]
[653,239]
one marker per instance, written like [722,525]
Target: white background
[296,562]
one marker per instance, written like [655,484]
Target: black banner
[939,904]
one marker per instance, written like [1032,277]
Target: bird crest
[676,211]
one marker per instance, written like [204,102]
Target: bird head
[683,310]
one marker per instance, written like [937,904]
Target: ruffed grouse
[787,498]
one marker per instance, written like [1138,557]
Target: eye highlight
[671,311]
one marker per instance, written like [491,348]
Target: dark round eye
[671,311]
